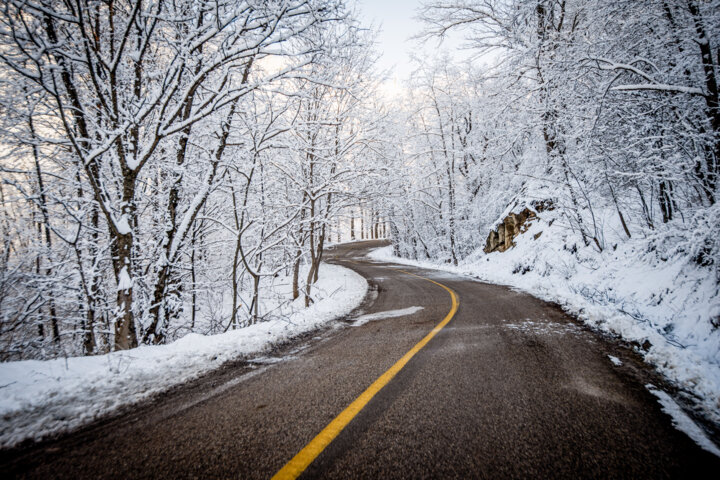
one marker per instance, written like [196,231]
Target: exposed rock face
[513,225]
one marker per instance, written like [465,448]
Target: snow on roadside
[39,398]
[682,421]
[623,292]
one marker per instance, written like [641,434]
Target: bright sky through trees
[398,25]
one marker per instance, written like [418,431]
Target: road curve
[510,387]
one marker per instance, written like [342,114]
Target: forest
[160,158]
[164,164]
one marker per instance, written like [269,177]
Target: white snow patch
[122,225]
[363,319]
[544,328]
[384,254]
[133,161]
[38,398]
[271,360]
[124,280]
[615,361]
[682,421]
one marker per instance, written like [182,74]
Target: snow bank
[631,290]
[38,398]
[682,421]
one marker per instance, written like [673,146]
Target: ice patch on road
[363,319]
[682,421]
[271,360]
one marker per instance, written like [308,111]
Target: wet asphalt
[512,387]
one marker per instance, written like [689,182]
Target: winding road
[479,381]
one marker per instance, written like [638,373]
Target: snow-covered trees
[136,135]
[162,163]
[455,158]
[609,109]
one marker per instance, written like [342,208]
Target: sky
[397,23]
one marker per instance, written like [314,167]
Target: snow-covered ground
[38,398]
[631,290]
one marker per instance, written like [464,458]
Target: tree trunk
[296,276]
[712,158]
[254,306]
[125,335]
[48,238]
[89,343]
[193,279]
[362,224]
[665,200]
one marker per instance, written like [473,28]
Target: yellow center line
[307,455]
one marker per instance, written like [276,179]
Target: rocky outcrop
[513,225]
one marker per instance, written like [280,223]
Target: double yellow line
[297,465]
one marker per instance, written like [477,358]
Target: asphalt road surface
[511,387]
